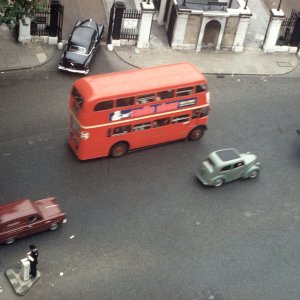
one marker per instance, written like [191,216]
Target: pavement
[252,61]
[20,286]
[15,56]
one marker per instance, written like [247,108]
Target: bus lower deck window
[121,130]
[161,122]
[143,126]
[180,119]
[200,113]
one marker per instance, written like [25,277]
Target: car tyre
[53,226]
[218,182]
[118,149]
[9,241]
[253,174]
[196,134]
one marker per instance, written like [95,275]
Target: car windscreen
[210,162]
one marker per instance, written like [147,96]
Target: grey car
[226,165]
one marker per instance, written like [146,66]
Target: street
[142,226]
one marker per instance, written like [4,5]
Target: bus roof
[121,84]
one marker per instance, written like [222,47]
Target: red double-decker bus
[117,112]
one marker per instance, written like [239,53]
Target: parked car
[226,165]
[25,217]
[81,47]
[298,131]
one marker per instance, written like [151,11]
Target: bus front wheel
[196,134]
[118,149]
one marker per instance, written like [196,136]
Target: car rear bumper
[201,178]
[73,70]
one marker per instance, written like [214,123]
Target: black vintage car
[81,47]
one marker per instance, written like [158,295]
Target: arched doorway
[211,35]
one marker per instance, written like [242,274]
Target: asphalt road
[142,226]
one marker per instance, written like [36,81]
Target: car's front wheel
[218,182]
[253,174]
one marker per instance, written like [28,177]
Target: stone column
[161,12]
[238,44]
[145,25]
[179,30]
[24,31]
[272,33]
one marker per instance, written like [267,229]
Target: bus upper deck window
[77,97]
[145,98]
[104,105]
[165,94]
[185,91]
[125,101]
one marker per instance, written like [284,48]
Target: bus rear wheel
[196,134]
[118,149]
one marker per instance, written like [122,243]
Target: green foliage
[13,11]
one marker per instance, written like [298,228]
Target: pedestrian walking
[33,259]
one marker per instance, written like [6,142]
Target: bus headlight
[84,135]
[208,97]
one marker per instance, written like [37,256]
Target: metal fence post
[54,9]
[120,7]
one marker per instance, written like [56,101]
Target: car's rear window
[77,49]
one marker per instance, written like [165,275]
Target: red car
[26,217]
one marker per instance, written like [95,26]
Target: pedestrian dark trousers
[33,269]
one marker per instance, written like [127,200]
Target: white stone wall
[181,38]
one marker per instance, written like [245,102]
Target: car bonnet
[48,207]
[249,158]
